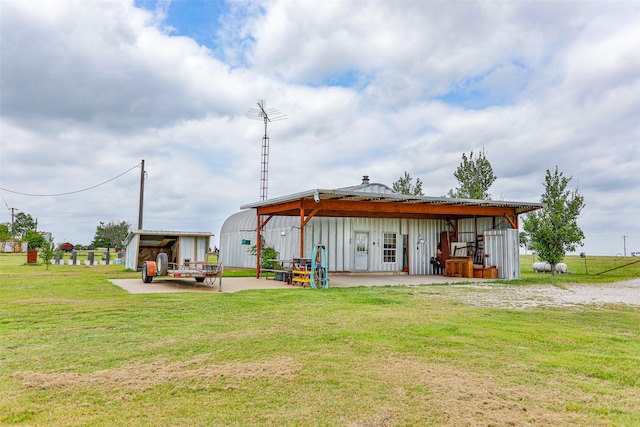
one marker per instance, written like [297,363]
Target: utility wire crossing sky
[376,88]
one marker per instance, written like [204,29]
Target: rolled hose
[318,278]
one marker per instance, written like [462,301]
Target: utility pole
[141,195]
[624,240]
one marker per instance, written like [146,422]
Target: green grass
[77,350]
[593,269]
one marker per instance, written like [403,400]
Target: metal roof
[360,201]
[158,235]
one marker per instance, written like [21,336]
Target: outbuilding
[371,228]
[181,247]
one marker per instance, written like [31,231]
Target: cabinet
[459,267]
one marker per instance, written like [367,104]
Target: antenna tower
[268,115]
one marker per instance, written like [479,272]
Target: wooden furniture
[485,272]
[490,273]
[459,267]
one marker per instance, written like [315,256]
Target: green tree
[34,239]
[553,231]
[404,185]
[22,223]
[523,239]
[475,176]
[111,235]
[5,233]
[47,252]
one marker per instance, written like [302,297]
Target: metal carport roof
[379,201]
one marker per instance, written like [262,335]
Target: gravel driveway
[530,296]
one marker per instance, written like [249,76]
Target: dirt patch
[50,300]
[462,398]
[532,296]
[142,376]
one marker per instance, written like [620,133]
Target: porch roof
[355,202]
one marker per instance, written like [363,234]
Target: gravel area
[478,292]
[532,296]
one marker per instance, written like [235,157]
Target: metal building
[180,246]
[371,228]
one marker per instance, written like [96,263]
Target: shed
[371,228]
[180,246]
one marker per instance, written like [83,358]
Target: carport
[376,201]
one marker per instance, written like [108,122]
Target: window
[389,247]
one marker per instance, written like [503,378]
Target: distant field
[584,270]
[579,272]
[77,350]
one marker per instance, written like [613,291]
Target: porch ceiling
[336,203]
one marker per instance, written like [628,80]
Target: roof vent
[365,179]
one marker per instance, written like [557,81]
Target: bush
[34,240]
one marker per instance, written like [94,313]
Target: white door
[362,251]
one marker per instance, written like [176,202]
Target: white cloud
[88,89]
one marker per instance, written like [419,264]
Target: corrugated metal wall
[424,236]
[132,253]
[467,228]
[238,228]
[187,249]
[193,248]
[502,248]
[337,234]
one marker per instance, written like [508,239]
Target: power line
[6,204]
[70,192]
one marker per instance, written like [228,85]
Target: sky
[89,89]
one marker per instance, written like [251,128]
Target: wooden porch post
[302,232]
[258,247]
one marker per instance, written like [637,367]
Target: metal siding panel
[224,256]
[239,226]
[347,249]
[466,230]
[420,254]
[485,224]
[132,253]
[202,248]
[335,249]
[187,249]
[337,234]
[233,253]
[502,248]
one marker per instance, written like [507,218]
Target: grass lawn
[78,350]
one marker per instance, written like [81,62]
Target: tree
[111,235]
[553,231]
[47,252]
[5,234]
[34,239]
[22,223]
[475,176]
[524,240]
[404,185]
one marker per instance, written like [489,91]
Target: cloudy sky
[90,88]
